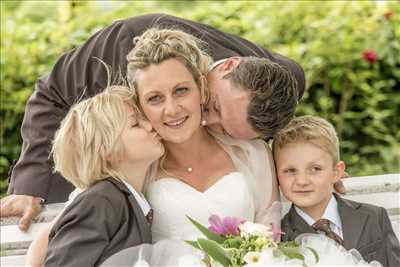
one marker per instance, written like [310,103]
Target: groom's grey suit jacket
[101,221]
[79,75]
[365,227]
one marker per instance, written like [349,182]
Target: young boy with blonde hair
[103,147]
[307,159]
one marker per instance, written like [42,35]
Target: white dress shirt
[143,203]
[331,213]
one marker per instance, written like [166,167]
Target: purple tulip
[225,226]
[216,225]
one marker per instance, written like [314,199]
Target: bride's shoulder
[260,143]
[243,143]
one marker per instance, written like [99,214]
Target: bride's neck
[193,150]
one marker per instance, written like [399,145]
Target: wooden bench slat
[12,261]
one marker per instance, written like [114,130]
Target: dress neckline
[174,179]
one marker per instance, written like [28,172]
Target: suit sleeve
[75,76]
[392,243]
[83,232]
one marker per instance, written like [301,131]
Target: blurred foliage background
[350,52]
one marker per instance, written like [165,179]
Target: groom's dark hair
[273,93]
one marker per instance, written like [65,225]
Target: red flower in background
[388,14]
[370,56]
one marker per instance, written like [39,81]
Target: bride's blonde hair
[157,45]
[87,144]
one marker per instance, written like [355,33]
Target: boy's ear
[339,171]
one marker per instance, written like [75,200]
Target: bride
[201,173]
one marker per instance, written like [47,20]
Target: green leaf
[216,251]
[210,235]
[315,254]
[292,253]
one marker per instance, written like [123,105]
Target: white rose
[249,228]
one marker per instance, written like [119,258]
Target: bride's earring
[205,95]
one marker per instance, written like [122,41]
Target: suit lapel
[353,221]
[298,224]
[144,227]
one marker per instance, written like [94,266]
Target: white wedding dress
[249,193]
[173,200]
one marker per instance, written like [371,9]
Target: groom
[253,94]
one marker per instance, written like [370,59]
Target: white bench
[381,190]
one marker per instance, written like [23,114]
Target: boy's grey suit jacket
[78,74]
[101,221]
[365,227]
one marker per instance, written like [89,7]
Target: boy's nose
[147,125]
[302,179]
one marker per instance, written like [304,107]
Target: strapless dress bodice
[173,200]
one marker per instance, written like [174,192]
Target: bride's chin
[177,138]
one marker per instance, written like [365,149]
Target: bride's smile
[177,123]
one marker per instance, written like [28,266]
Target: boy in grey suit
[104,148]
[307,159]
[101,221]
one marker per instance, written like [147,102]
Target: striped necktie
[323,225]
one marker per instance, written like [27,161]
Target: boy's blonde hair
[315,130]
[157,45]
[87,145]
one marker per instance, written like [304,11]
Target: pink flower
[370,56]
[225,226]
[388,14]
[276,232]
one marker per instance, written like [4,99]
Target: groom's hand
[339,187]
[26,207]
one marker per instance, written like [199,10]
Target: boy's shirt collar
[331,213]
[143,203]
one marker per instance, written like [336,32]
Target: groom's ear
[230,64]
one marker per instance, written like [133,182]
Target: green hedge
[329,39]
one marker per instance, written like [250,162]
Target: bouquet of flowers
[232,242]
